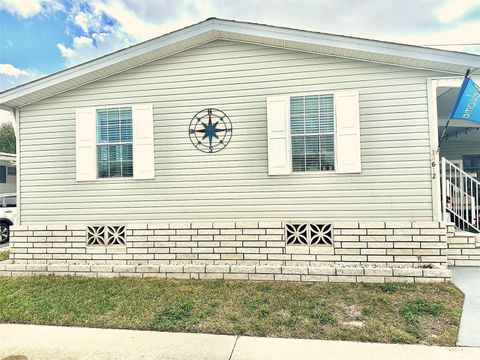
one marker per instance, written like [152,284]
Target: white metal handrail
[460,197]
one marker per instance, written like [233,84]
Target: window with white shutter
[314,133]
[115,142]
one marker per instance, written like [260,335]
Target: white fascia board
[6,107]
[351,43]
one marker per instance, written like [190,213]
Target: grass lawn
[4,255]
[398,313]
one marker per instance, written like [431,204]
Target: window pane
[113,117]
[102,153]
[312,162]
[298,145]
[297,123]
[126,133]
[102,134]
[126,116]
[127,152]
[326,113]
[115,169]
[311,114]
[127,169]
[327,154]
[113,134]
[115,152]
[114,129]
[298,163]
[3,174]
[102,116]
[11,201]
[103,169]
[312,145]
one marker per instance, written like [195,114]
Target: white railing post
[473,210]
[444,189]
[460,193]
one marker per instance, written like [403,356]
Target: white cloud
[81,19]
[23,8]
[29,8]
[11,76]
[454,9]
[136,19]
[82,41]
[10,70]
[86,48]
[464,33]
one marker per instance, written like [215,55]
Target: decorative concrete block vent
[300,251]
[106,235]
[309,234]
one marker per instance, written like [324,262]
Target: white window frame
[313,172]
[117,178]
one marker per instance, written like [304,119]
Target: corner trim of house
[16,126]
[432,85]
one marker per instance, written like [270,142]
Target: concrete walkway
[34,342]
[467,279]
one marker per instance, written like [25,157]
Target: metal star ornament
[210,130]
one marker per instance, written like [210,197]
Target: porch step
[468,237]
[462,233]
[463,247]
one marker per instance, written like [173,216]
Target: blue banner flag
[467,106]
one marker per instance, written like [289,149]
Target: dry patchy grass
[398,313]
[4,255]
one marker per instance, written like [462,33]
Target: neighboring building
[327,147]
[8,173]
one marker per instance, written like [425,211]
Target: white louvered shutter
[143,155]
[85,140]
[347,112]
[278,113]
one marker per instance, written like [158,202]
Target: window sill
[109,180]
[310,173]
[115,179]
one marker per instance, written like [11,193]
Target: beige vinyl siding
[233,184]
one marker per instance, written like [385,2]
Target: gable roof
[212,29]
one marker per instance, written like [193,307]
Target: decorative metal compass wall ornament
[210,130]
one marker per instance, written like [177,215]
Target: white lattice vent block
[309,234]
[106,235]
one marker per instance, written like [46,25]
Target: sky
[40,37]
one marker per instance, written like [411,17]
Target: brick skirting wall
[234,272]
[342,251]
